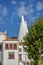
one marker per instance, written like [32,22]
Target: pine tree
[34,41]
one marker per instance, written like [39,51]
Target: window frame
[11,56]
[6,46]
[15,46]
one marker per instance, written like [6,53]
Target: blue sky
[12,10]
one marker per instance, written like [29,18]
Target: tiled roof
[12,39]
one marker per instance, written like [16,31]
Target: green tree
[34,41]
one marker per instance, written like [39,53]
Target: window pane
[9,55]
[6,46]
[15,46]
[12,55]
[10,46]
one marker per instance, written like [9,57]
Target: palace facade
[11,49]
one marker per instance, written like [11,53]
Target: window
[6,46]
[10,46]
[15,46]
[11,55]
[19,49]
[20,57]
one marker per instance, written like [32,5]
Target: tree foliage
[34,41]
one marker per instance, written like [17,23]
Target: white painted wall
[21,63]
[6,61]
[24,55]
[1,37]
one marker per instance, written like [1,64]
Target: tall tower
[23,29]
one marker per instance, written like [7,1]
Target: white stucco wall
[24,56]
[21,63]
[7,61]
[1,37]
[23,53]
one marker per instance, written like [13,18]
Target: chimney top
[22,18]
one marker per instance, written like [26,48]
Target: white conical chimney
[23,29]
[22,19]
